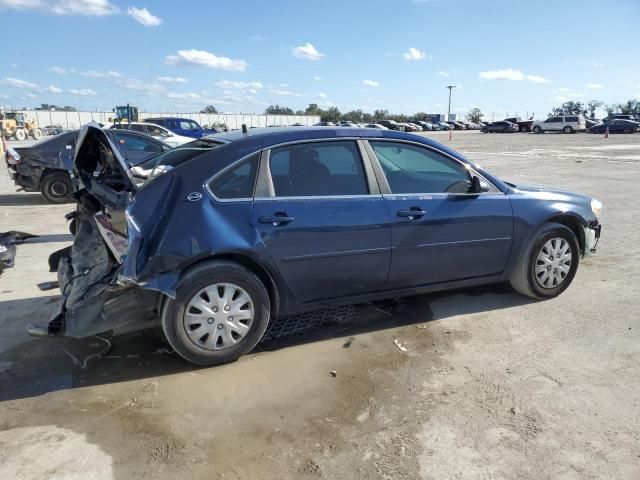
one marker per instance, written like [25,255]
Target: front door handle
[412,213]
[277,219]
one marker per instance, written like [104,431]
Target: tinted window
[414,169]
[553,120]
[135,143]
[318,169]
[238,182]
[571,119]
[156,131]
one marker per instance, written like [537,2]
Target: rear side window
[236,183]
[135,143]
[571,119]
[318,169]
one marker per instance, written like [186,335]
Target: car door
[440,232]
[553,124]
[323,220]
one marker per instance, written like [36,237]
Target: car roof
[167,118]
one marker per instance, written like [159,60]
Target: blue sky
[505,56]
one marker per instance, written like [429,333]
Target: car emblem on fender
[194,196]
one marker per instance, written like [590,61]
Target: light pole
[450,87]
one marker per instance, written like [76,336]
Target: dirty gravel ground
[492,385]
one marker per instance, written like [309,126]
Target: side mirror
[477,186]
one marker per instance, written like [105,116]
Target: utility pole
[450,87]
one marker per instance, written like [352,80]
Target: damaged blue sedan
[216,237]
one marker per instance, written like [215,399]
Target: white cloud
[17,83]
[228,84]
[99,74]
[322,95]
[595,64]
[442,73]
[142,87]
[97,8]
[53,89]
[307,51]
[205,59]
[317,77]
[144,16]
[414,54]
[57,70]
[172,79]
[503,74]
[83,92]
[276,91]
[371,83]
[183,96]
[595,85]
[537,79]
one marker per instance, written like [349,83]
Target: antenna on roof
[244,128]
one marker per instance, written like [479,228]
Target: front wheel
[37,134]
[485,130]
[20,134]
[548,264]
[537,129]
[627,130]
[567,129]
[220,313]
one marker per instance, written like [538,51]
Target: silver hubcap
[553,263]
[218,316]
[59,189]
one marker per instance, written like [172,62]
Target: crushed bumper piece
[8,242]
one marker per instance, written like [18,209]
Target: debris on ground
[8,242]
[422,327]
[44,286]
[333,373]
[348,343]
[400,346]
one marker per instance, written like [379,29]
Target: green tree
[278,110]
[592,106]
[209,109]
[331,115]
[475,115]
[570,108]
[380,114]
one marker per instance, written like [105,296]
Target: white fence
[231,120]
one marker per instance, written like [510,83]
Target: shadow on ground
[22,199]
[32,367]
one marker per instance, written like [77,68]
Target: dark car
[391,125]
[500,127]
[616,126]
[275,222]
[45,166]
[182,126]
[455,125]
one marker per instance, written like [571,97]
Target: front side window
[413,169]
[318,169]
[156,131]
[194,126]
[137,144]
[237,182]
[553,120]
[185,125]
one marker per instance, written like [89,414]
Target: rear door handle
[277,219]
[412,213]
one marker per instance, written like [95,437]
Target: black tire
[194,280]
[485,130]
[537,129]
[56,187]
[505,130]
[523,278]
[567,129]
[73,227]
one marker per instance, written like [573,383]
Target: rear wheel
[549,263]
[567,129]
[537,129]
[20,134]
[220,313]
[37,133]
[56,187]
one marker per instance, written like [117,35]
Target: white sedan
[156,131]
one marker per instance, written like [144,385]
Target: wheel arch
[250,264]
[47,171]
[574,223]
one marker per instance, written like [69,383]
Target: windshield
[158,164]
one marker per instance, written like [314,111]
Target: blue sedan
[616,126]
[232,230]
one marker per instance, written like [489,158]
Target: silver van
[565,124]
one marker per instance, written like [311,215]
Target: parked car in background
[616,126]
[426,126]
[619,116]
[182,126]
[376,126]
[348,124]
[443,126]
[455,125]
[324,124]
[562,123]
[391,125]
[277,222]
[500,127]
[591,122]
[156,131]
[523,125]
[45,166]
[409,127]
